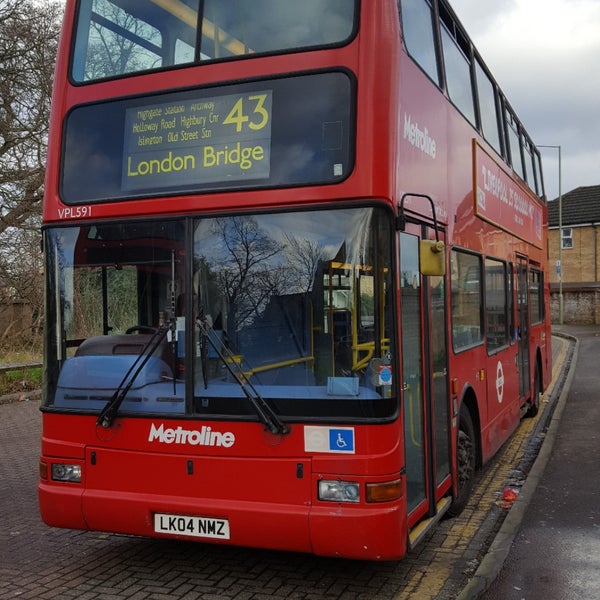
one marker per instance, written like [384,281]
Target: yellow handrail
[190,17]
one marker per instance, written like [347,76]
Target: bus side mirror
[432,258]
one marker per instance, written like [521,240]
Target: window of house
[566,238]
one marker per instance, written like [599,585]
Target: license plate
[199,527]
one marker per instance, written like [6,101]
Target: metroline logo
[194,437]
[419,138]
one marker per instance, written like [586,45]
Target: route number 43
[250,111]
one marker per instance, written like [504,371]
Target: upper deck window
[488,108]
[118,37]
[417,22]
[514,140]
[458,71]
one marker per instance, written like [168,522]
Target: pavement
[548,540]
[548,548]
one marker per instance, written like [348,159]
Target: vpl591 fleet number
[75,212]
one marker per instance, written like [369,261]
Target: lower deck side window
[466,287]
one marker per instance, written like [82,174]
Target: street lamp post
[560,232]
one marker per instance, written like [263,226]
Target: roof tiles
[580,206]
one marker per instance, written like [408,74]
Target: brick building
[580,260]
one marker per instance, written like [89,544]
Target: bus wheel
[465,461]
[534,407]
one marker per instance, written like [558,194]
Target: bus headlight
[339,491]
[70,473]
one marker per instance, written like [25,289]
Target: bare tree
[248,275]
[304,256]
[112,53]
[28,42]
[21,291]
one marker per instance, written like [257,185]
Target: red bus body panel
[266,489]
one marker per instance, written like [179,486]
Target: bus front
[221,358]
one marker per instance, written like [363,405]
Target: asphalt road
[555,554]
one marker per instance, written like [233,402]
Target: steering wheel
[141,329]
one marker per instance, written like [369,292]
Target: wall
[581,304]
[581,263]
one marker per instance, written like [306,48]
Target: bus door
[425,394]
[523,326]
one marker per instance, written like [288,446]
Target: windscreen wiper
[109,412]
[266,414]
[204,347]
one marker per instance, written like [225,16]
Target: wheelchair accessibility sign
[329,439]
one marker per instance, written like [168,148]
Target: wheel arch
[539,365]
[469,400]
[467,416]
[536,387]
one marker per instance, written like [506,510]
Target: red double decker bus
[296,272]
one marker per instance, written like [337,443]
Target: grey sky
[545,54]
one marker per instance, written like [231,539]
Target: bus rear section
[226,379]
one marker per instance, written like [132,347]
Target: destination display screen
[280,132]
[503,202]
[219,138]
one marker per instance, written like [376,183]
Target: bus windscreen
[290,311]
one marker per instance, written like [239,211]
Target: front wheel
[465,461]
[534,407]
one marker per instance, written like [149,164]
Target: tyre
[534,406]
[466,461]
